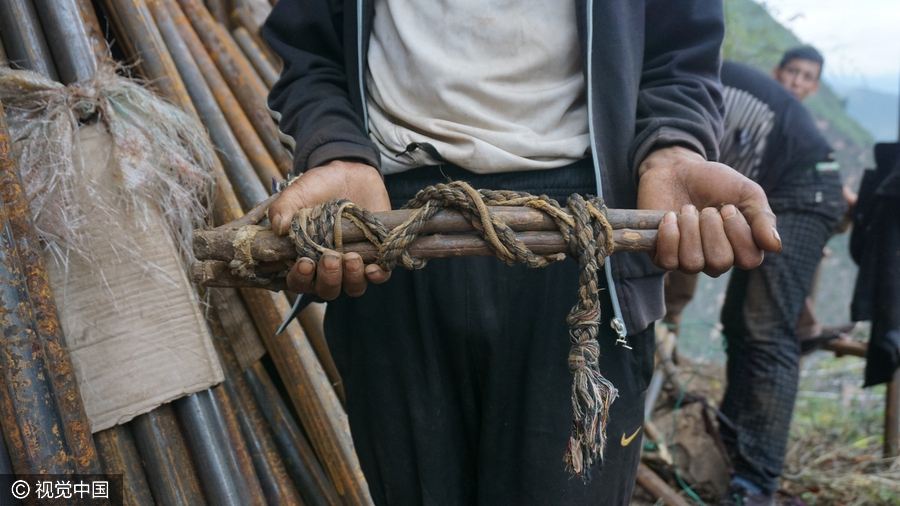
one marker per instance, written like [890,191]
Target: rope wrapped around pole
[583,225]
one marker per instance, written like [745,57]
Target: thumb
[755,208]
[282,211]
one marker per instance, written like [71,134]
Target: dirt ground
[834,452]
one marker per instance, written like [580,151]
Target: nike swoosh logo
[627,440]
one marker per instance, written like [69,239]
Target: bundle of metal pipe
[238,443]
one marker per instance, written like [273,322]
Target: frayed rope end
[592,395]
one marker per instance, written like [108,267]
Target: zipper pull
[619,326]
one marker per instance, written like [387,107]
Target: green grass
[835,449]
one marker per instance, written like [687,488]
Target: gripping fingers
[747,255]
[717,252]
[668,236]
[354,279]
[328,276]
[300,277]
[690,248]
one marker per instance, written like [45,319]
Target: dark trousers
[760,326]
[458,388]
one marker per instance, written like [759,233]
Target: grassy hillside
[753,37]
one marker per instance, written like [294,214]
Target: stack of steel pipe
[272,433]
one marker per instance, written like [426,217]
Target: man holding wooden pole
[457,390]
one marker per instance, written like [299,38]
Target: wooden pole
[218,244]
[658,488]
[268,245]
[892,418]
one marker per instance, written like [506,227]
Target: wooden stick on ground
[649,481]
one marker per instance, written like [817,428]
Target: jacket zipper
[359,62]
[617,323]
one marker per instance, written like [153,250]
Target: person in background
[771,138]
[800,72]
[457,385]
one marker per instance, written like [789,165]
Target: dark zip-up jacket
[652,69]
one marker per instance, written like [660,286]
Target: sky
[860,39]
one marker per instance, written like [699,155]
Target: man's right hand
[357,182]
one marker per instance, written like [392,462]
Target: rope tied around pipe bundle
[585,228]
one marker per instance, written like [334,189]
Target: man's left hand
[734,224]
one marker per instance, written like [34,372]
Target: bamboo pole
[204,434]
[240,125]
[240,171]
[170,472]
[314,399]
[256,56]
[265,453]
[303,465]
[241,77]
[23,38]
[119,455]
[75,424]
[68,39]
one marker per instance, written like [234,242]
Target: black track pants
[458,388]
